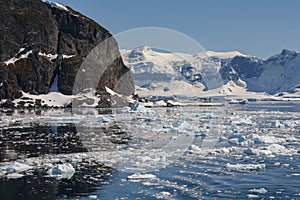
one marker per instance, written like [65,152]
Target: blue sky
[257,27]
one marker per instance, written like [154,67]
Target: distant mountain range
[213,73]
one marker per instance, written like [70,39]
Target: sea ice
[93,197]
[252,196]
[266,139]
[141,176]
[241,167]
[65,170]
[15,167]
[260,191]
[14,176]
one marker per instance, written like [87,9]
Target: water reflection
[36,139]
[27,134]
[39,186]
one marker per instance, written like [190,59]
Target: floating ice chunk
[195,149]
[258,152]
[163,195]
[102,119]
[277,124]
[245,166]
[223,150]
[260,191]
[93,197]
[14,176]
[252,196]
[185,126]
[236,138]
[62,168]
[277,164]
[16,167]
[259,139]
[272,149]
[176,124]
[62,171]
[295,175]
[141,176]
[285,165]
[245,121]
[277,148]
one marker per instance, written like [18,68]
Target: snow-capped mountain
[280,73]
[158,73]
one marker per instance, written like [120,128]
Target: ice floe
[141,176]
[259,191]
[241,167]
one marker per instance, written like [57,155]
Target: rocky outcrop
[41,42]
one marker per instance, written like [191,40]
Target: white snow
[51,99]
[163,74]
[56,5]
[54,56]
[160,103]
[168,74]
[49,56]
[14,59]
[222,55]
[280,74]
[68,56]
[111,92]
[57,99]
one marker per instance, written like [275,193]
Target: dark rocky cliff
[40,41]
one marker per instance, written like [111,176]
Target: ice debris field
[160,153]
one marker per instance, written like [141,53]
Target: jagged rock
[35,54]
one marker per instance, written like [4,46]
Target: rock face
[44,43]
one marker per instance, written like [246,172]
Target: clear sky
[257,27]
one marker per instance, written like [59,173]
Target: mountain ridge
[236,70]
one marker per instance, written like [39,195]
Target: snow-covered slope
[281,73]
[158,73]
